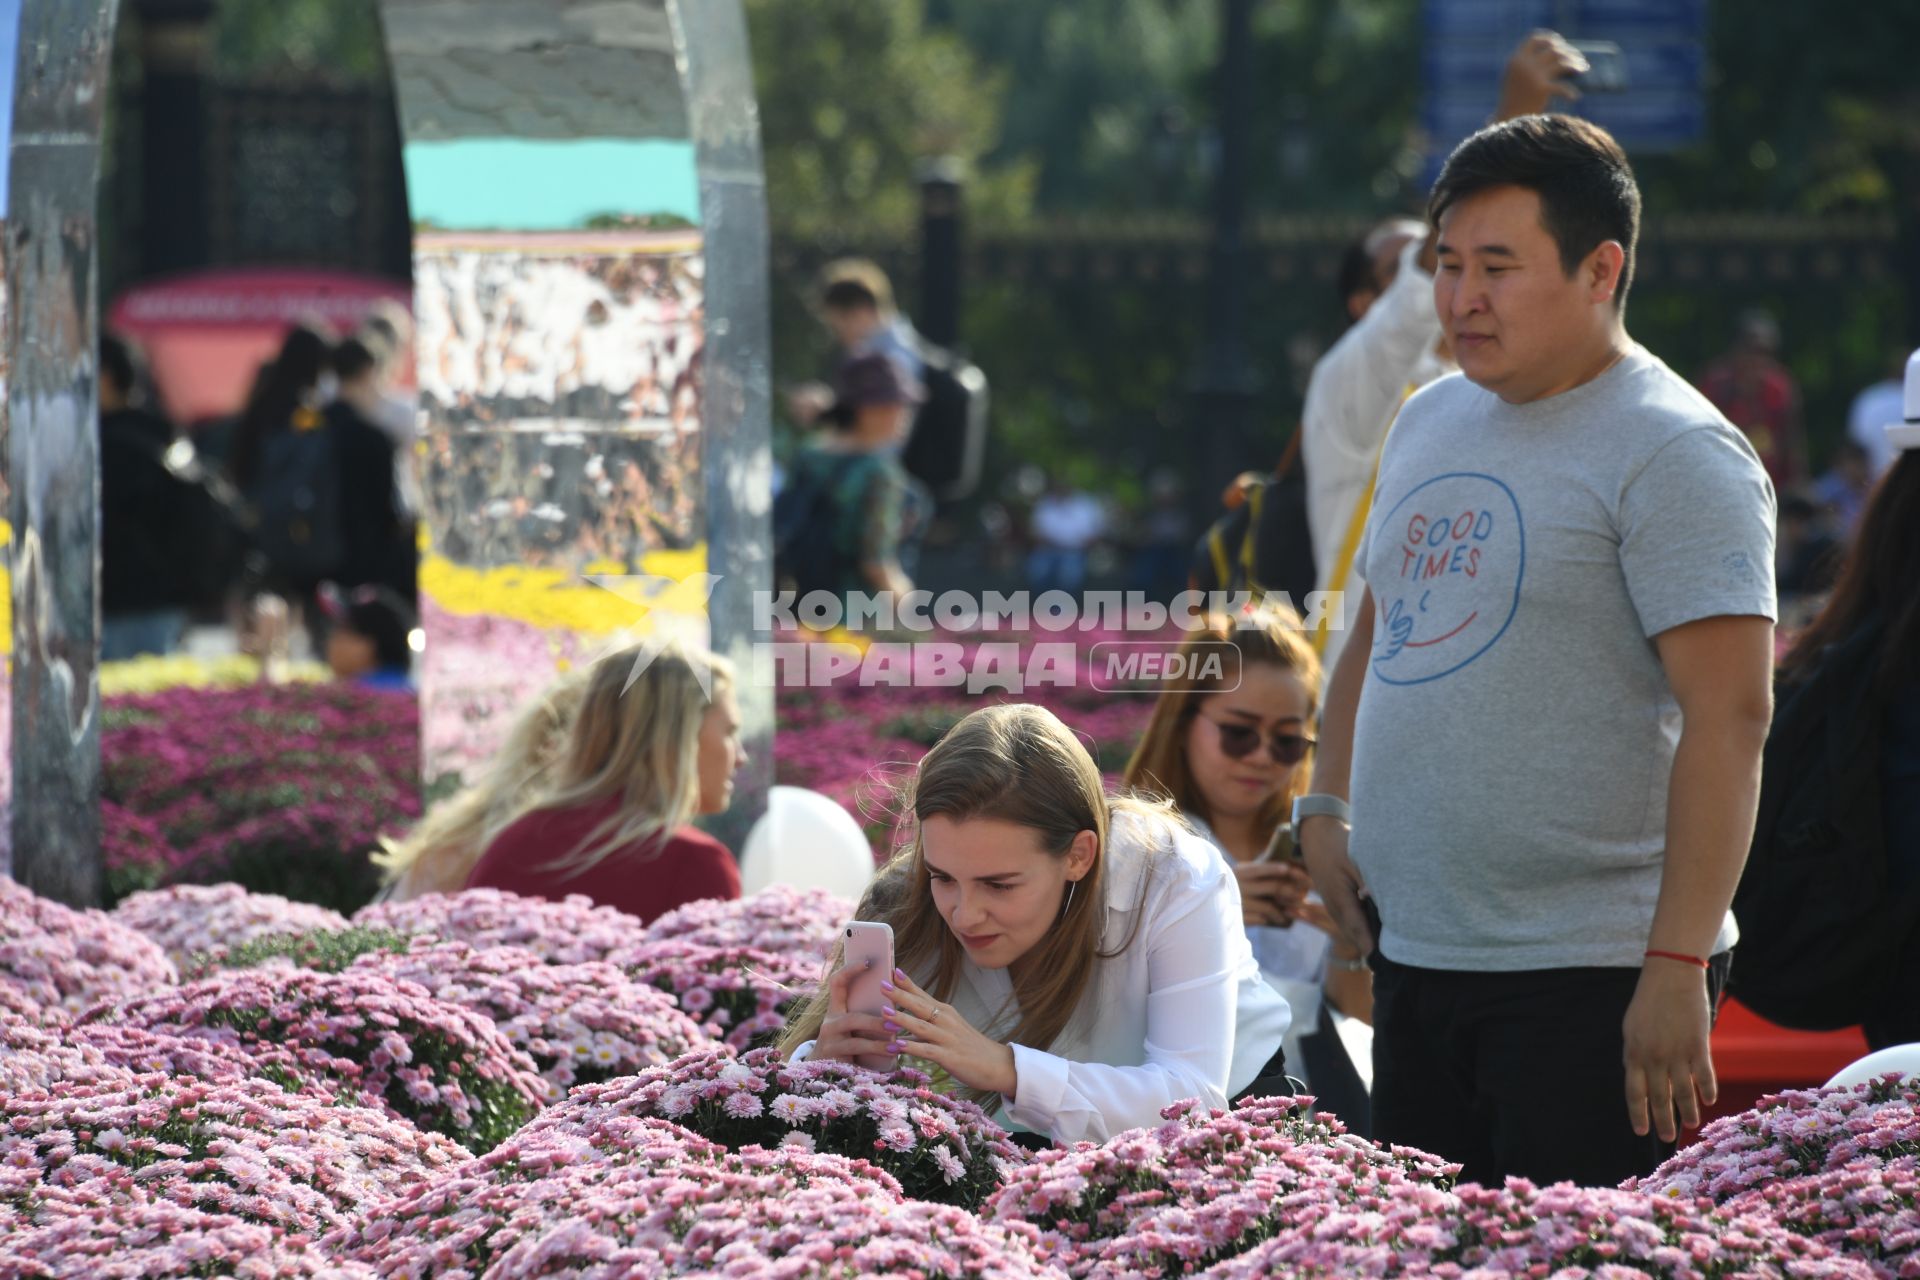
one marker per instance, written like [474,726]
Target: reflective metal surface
[59,91]
[589,414]
[711,43]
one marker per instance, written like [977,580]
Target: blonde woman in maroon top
[649,751]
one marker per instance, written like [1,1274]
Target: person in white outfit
[1394,348]
[1233,748]
[1072,959]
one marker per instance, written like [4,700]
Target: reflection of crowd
[604,338]
[561,498]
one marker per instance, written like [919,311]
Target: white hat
[1906,435]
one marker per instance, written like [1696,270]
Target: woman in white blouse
[1072,958]
[1233,753]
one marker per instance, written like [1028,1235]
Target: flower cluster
[63,959]
[1520,1230]
[245,1149]
[188,919]
[675,1205]
[1204,1186]
[570,931]
[1838,1165]
[37,1058]
[801,922]
[142,1239]
[442,1067]
[1791,1135]
[579,1022]
[939,1148]
[281,788]
[740,994]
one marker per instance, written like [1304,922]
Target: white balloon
[1904,1058]
[808,841]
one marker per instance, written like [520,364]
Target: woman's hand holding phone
[846,1035]
[1271,893]
[929,1029]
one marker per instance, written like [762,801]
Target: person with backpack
[284,463]
[1829,903]
[838,522]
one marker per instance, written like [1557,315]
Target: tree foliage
[854,95]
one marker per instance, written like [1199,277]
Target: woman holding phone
[1070,958]
[1233,753]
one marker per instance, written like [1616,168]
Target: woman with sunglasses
[1233,753]
[1067,956]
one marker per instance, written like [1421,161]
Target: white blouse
[1183,1012]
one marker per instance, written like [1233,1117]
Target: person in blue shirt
[370,641]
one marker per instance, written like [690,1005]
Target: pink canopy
[206,334]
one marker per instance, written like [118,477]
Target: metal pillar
[59,90]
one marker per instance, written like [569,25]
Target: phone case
[862,941]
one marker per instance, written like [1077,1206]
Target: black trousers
[1512,1073]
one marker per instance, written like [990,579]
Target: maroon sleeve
[704,868]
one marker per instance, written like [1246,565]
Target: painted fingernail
[899,975]
[886,986]
[888,1011]
[891,1026]
[896,1047]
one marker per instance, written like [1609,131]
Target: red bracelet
[1678,955]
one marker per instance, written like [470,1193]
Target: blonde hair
[440,852]
[1016,763]
[636,737]
[1274,637]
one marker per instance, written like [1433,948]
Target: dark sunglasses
[1238,741]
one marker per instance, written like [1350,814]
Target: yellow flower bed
[559,599]
[154,674]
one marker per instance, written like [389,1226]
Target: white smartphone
[862,941]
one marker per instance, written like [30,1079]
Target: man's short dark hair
[1586,188]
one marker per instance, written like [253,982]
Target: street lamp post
[1225,382]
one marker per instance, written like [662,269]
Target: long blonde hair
[1273,636]
[1016,763]
[441,850]
[636,737]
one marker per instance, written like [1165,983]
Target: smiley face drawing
[1445,567]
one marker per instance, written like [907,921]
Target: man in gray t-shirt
[1552,708]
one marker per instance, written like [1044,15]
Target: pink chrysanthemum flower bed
[800,922]
[741,995]
[1834,1164]
[570,931]
[939,1148]
[244,1149]
[1791,1135]
[34,1057]
[120,1238]
[1207,1184]
[614,1195]
[442,1067]
[185,920]
[63,959]
[1520,1230]
[580,1023]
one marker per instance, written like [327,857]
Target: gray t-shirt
[1516,731]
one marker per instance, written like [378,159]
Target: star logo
[675,610]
